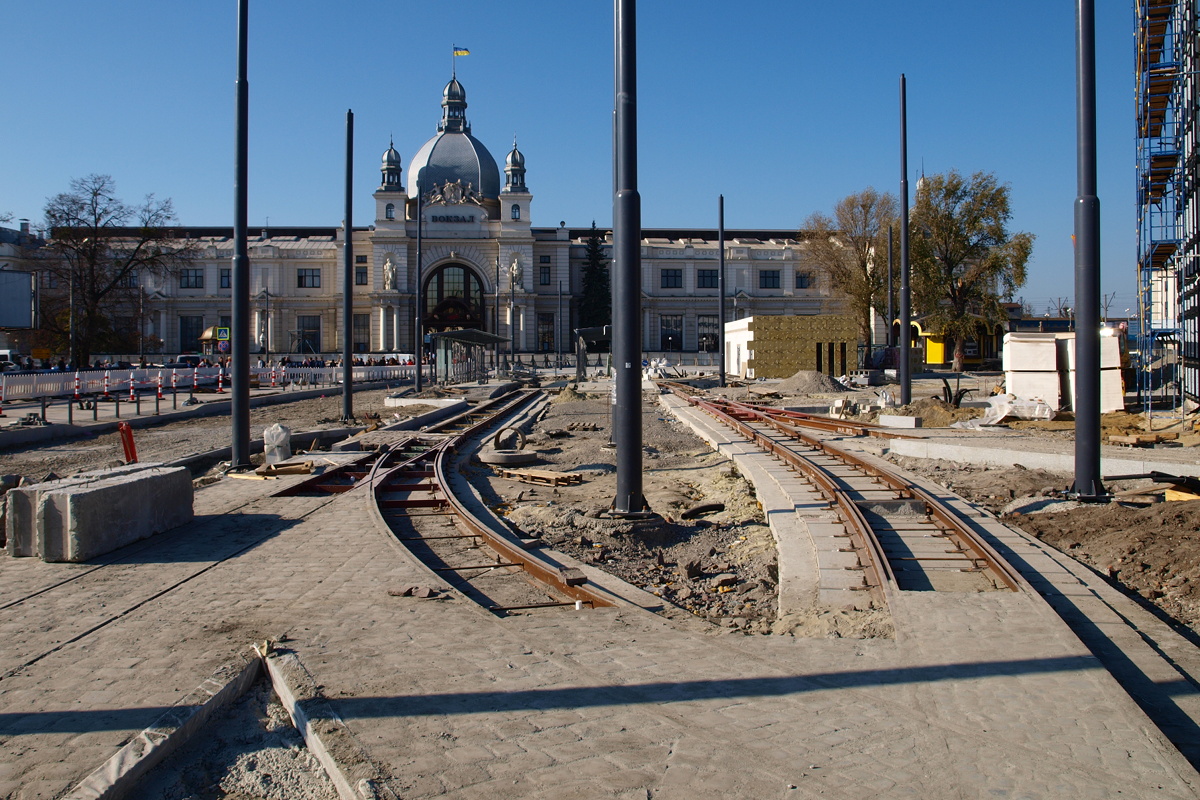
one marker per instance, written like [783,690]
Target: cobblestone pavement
[979,695]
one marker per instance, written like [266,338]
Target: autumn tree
[965,263]
[852,247]
[98,255]
[595,305]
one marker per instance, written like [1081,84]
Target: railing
[31,386]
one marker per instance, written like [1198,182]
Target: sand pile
[569,395]
[808,381]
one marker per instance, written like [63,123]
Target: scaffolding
[1167,204]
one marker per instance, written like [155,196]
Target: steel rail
[570,582]
[877,572]
[959,531]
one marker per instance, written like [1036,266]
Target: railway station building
[481,255]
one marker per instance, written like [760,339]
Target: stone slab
[899,421]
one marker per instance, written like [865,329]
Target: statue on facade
[514,270]
[389,275]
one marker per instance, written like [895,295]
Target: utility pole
[1087,264]
[348,278]
[240,362]
[627,234]
[419,314]
[905,298]
[721,287]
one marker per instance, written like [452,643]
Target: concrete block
[1030,385]
[1112,392]
[899,421]
[76,523]
[1030,352]
[1110,352]
[21,504]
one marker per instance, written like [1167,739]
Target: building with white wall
[479,256]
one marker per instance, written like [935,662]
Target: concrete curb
[324,732]
[118,776]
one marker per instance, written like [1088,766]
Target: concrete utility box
[781,346]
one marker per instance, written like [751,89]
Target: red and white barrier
[77,387]
[132,396]
[160,397]
[106,385]
[220,376]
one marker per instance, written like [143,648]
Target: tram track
[904,538]
[409,480]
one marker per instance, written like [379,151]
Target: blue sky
[784,107]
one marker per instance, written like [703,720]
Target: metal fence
[31,386]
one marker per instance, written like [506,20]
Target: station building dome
[454,154]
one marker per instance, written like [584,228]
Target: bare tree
[852,247]
[965,263]
[99,252]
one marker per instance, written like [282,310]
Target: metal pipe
[347,277]
[721,287]
[240,361]
[1087,263]
[904,372]
[627,235]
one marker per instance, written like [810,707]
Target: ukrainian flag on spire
[461,51]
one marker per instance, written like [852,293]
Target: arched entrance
[453,299]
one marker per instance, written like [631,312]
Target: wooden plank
[540,477]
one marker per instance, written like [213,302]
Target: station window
[670,279]
[544,275]
[805,280]
[226,277]
[768,279]
[191,279]
[389,212]
[307,278]
[706,279]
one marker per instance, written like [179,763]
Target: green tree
[852,247]
[964,261]
[595,305]
[98,255]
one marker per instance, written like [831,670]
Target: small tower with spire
[390,196]
[515,197]
[514,171]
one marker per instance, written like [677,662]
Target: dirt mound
[934,413]
[808,381]
[1153,551]
[569,395]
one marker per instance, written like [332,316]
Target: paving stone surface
[985,695]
